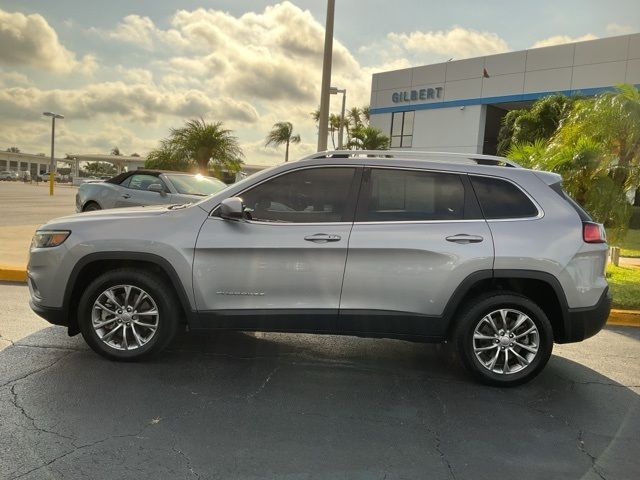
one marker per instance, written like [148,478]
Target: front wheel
[91,207]
[128,314]
[504,339]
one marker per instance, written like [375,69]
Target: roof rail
[476,158]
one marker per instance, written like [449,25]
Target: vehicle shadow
[242,405]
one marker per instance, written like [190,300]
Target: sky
[124,72]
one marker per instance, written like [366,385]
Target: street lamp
[52,163]
[335,91]
[323,118]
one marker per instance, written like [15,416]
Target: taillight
[593,232]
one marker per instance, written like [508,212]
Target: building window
[402,129]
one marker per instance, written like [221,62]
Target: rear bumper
[582,323]
[55,316]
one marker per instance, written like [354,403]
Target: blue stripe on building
[521,97]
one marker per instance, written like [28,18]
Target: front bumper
[582,323]
[52,315]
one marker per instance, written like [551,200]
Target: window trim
[471,200]
[514,219]
[352,197]
[402,134]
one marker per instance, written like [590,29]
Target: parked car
[145,187]
[44,177]
[10,176]
[425,247]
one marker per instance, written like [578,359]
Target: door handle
[322,238]
[126,195]
[464,238]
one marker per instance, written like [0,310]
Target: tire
[483,349]
[140,339]
[91,207]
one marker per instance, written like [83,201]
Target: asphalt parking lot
[253,406]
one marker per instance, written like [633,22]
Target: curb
[9,273]
[625,318]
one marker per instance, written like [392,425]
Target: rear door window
[501,199]
[395,195]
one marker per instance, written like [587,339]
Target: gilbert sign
[421,94]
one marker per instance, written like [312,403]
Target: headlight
[49,238]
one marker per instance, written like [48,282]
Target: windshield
[196,184]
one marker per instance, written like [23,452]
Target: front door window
[314,195]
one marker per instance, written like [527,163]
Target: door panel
[288,254]
[133,198]
[411,267]
[247,265]
[134,192]
[417,236]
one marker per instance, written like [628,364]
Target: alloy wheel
[506,341]
[125,317]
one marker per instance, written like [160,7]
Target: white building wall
[453,129]
[576,68]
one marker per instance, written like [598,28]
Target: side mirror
[232,208]
[156,187]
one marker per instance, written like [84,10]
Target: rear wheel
[128,314]
[504,339]
[91,207]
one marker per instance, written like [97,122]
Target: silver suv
[416,246]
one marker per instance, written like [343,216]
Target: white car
[145,187]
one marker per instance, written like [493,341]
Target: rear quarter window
[584,216]
[500,199]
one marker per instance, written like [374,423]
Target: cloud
[249,71]
[28,40]
[258,55]
[617,29]
[560,39]
[140,102]
[141,31]
[457,42]
[134,75]
[11,79]
[34,137]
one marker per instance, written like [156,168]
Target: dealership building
[458,105]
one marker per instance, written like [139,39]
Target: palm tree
[613,120]
[368,138]
[282,132]
[203,142]
[365,113]
[166,158]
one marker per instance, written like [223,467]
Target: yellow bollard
[50,183]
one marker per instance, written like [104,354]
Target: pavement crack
[48,347]
[8,340]
[594,460]
[264,384]
[78,448]
[33,372]
[438,447]
[20,407]
[188,460]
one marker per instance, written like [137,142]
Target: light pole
[52,163]
[335,91]
[326,78]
